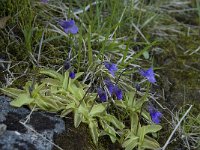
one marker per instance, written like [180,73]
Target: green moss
[179,78]
[75,138]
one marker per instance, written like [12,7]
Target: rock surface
[36,134]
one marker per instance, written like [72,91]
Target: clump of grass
[189,129]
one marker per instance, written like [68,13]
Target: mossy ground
[79,139]
[173,25]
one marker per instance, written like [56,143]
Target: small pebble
[2,128]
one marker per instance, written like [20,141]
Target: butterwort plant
[148,74]
[69,26]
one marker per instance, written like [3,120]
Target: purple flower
[69,26]
[109,85]
[72,75]
[112,68]
[118,93]
[102,94]
[149,74]
[113,89]
[44,1]
[155,115]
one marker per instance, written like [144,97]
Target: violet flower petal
[155,115]
[118,93]
[102,94]
[72,75]
[109,85]
[112,68]
[69,26]
[149,74]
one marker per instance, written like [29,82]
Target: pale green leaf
[65,112]
[129,99]
[141,134]
[77,118]
[150,143]
[139,103]
[22,99]
[146,115]
[84,110]
[50,102]
[53,82]
[130,143]
[41,103]
[38,89]
[12,92]
[152,128]
[110,131]
[52,74]
[78,75]
[66,81]
[70,106]
[110,118]
[76,92]
[146,55]
[134,121]
[60,100]
[94,131]
[120,104]
[97,109]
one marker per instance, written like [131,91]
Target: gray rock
[36,134]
